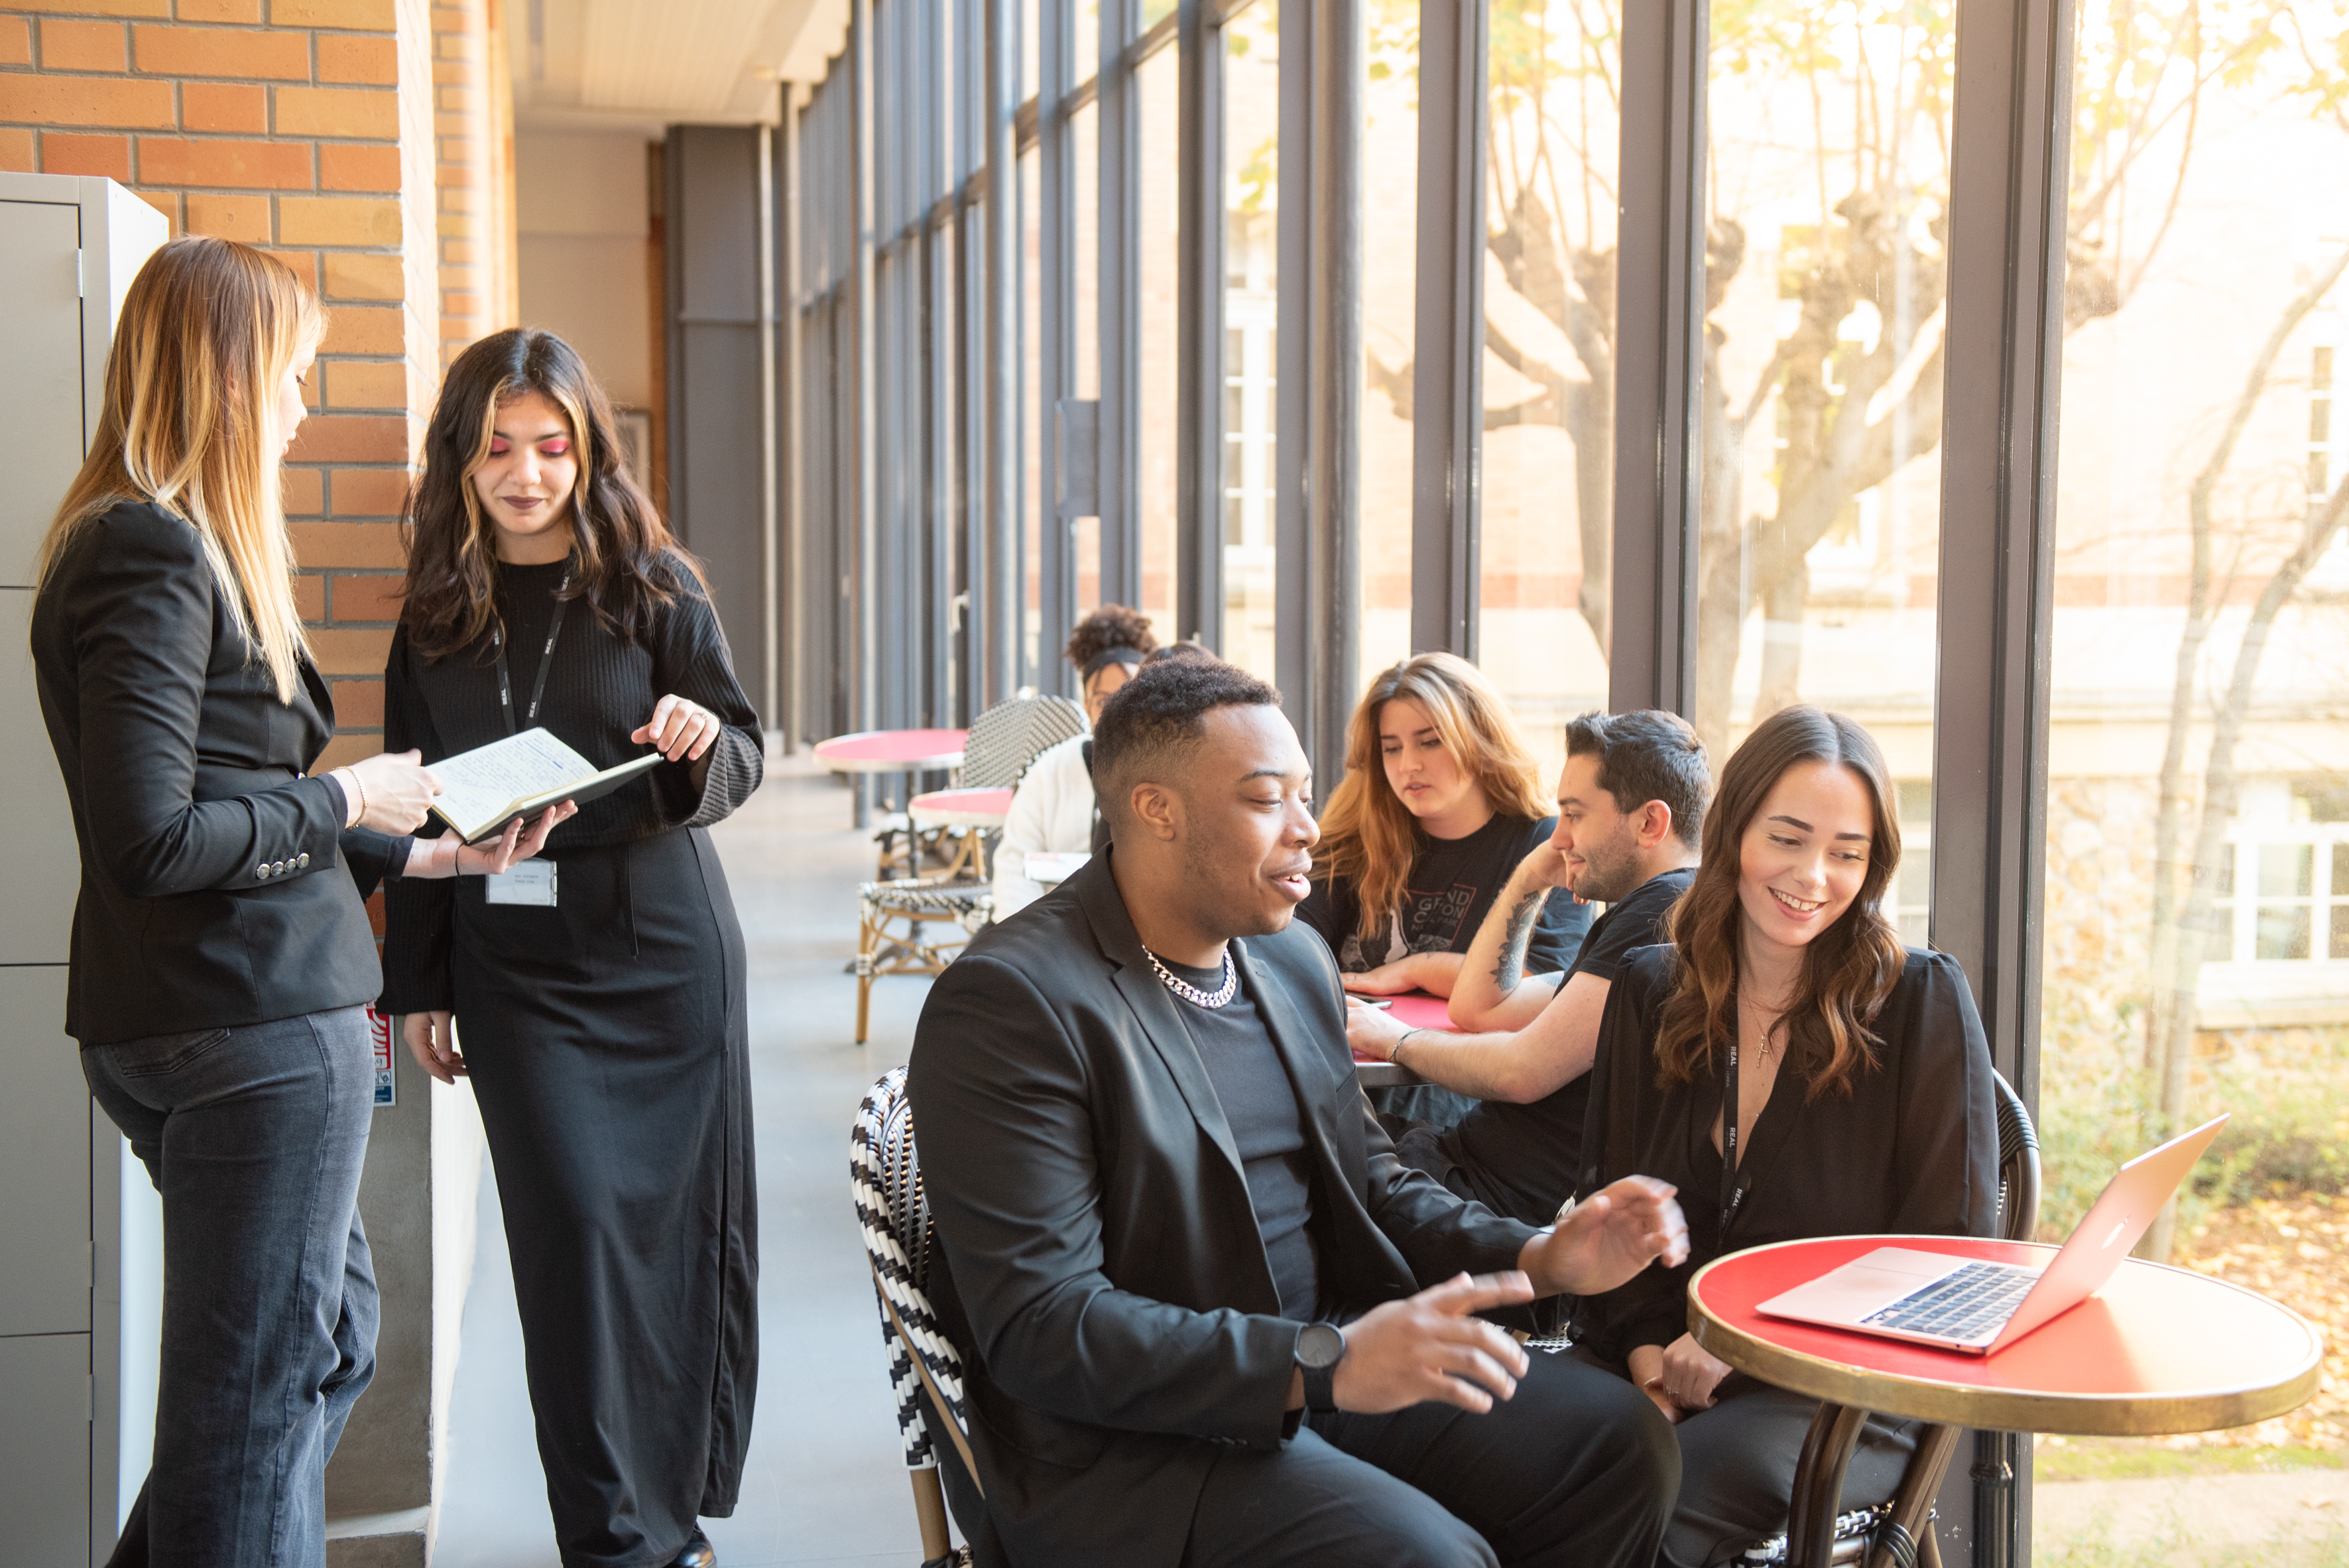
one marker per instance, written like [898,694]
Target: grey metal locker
[80,1235]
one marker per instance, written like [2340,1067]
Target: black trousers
[1577,1469]
[1739,1458]
[1737,1464]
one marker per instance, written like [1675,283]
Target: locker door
[45,1225]
[41,394]
[44,1447]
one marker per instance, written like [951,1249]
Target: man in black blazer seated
[1208,1318]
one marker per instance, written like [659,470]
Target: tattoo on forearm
[1512,967]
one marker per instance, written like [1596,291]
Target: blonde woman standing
[221,959]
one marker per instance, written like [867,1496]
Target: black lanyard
[545,661]
[1732,1192]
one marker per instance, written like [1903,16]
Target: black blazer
[213,890]
[1117,1320]
[1911,1150]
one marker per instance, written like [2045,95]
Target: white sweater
[1051,814]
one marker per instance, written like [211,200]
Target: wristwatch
[1319,1348]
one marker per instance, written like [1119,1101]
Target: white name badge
[533,882]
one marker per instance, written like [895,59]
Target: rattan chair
[1900,1532]
[901,922]
[886,1182]
[1002,742]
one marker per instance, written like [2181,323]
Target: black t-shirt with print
[1524,1159]
[1450,889]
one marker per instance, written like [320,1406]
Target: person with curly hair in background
[1053,812]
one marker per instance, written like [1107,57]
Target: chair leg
[1818,1484]
[867,936]
[930,1510]
[1912,1505]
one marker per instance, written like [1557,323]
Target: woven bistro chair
[924,1368]
[1899,1533]
[916,925]
[1002,742]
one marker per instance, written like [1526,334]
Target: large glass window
[1549,365]
[1389,319]
[1826,212]
[1251,318]
[2196,939]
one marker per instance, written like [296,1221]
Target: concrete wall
[583,222]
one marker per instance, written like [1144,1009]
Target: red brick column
[304,126]
[472,124]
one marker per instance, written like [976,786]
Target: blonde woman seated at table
[1052,812]
[1863,1095]
[1441,801]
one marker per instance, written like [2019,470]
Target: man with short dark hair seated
[1631,815]
[1208,1318]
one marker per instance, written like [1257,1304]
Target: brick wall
[311,129]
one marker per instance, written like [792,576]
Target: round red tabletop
[892,750]
[961,808]
[1413,1010]
[2157,1350]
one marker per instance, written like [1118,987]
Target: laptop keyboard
[1978,1299]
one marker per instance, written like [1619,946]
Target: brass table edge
[1971,1404]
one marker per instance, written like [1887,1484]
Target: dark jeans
[255,1136]
[1578,1469]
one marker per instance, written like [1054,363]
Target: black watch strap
[1319,1348]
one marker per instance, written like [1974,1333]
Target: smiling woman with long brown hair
[1859,1095]
[602,1008]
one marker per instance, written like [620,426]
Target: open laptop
[1933,1298]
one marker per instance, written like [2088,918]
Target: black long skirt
[609,1051]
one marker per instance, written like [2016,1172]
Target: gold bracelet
[353,774]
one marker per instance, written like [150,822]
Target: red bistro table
[908,752]
[2157,1350]
[976,811]
[1413,1010]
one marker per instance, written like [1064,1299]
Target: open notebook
[483,789]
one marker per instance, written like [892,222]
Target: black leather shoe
[697,1553]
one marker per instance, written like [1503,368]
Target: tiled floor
[825,1484]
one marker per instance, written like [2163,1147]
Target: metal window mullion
[1057,334]
[1448,355]
[1200,231]
[1658,341]
[791,592]
[2008,180]
[1001,405]
[865,513]
[1118,466]
[1318,573]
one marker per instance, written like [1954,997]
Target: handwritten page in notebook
[479,787]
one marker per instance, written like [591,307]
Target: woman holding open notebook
[1859,1101]
[600,996]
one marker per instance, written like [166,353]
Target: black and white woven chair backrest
[2018,1165]
[886,1182]
[1006,738]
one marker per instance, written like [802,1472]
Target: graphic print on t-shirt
[1427,923]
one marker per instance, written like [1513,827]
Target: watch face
[1318,1346]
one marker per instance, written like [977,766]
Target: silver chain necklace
[1192,994]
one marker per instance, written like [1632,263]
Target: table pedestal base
[1906,1540]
